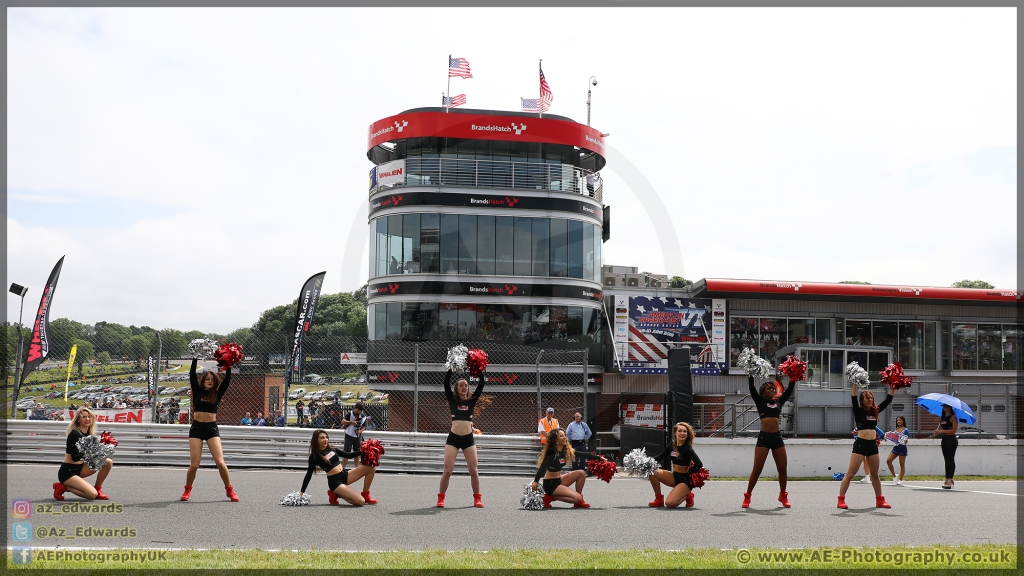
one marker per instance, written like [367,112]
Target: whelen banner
[39,344]
[387,174]
[308,298]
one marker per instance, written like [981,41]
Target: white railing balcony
[500,174]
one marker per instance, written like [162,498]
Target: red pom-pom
[227,355]
[795,369]
[370,451]
[107,438]
[697,478]
[603,469]
[476,361]
[893,376]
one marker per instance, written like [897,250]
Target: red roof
[860,290]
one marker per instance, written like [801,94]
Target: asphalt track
[405,519]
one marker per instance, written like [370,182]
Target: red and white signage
[126,415]
[649,415]
[484,127]
[717,285]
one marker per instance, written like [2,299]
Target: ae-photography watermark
[26,555]
[881,558]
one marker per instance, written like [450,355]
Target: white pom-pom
[202,348]
[532,499]
[456,361]
[856,375]
[295,499]
[94,452]
[639,464]
[754,365]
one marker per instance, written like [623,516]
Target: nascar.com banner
[39,344]
[308,298]
[648,415]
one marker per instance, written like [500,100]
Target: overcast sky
[197,165]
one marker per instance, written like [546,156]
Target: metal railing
[500,174]
[247,447]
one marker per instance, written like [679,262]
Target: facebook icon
[21,555]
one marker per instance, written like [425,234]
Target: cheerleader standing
[461,404]
[769,407]
[865,449]
[206,396]
[684,462]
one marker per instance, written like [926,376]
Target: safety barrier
[249,447]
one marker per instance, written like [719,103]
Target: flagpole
[540,107]
[449,82]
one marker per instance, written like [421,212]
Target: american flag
[459,67]
[530,104]
[546,96]
[453,101]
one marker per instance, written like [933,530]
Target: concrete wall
[814,457]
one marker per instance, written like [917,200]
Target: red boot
[100,495]
[547,501]
[366,497]
[842,503]
[440,500]
[478,500]
[332,497]
[881,503]
[230,491]
[659,500]
[58,491]
[784,498]
[581,504]
[746,500]
[187,493]
[689,500]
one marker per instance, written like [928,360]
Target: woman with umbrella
[950,411]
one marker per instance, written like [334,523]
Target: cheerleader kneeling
[684,462]
[327,457]
[73,470]
[557,451]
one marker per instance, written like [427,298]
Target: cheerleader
[73,471]
[206,396]
[557,451]
[328,458]
[769,403]
[899,450]
[684,462]
[461,404]
[865,449]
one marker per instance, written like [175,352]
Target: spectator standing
[259,421]
[546,425]
[280,420]
[578,434]
[355,424]
[247,420]
[300,413]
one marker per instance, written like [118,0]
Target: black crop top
[866,421]
[461,409]
[332,457]
[946,423]
[72,446]
[200,405]
[767,409]
[555,460]
[681,456]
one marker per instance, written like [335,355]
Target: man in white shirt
[355,424]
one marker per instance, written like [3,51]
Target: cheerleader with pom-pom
[865,448]
[557,451]
[461,403]
[326,457]
[769,403]
[684,463]
[206,396]
[74,470]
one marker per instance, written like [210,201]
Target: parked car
[332,395]
[183,390]
[319,394]
[308,396]
[347,395]
[362,380]
[379,398]
[365,395]
[296,393]
[314,378]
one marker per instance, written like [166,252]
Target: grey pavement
[406,519]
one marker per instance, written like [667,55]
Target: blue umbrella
[933,404]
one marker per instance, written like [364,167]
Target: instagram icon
[21,509]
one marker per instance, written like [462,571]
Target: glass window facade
[986,346]
[500,322]
[767,335]
[488,245]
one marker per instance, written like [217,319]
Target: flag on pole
[546,96]
[530,104]
[459,67]
[453,101]
[39,344]
[71,362]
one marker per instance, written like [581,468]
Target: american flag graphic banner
[453,101]
[459,67]
[660,323]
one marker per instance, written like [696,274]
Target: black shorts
[770,440]
[203,430]
[550,484]
[67,471]
[460,442]
[681,478]
[337,480]
[865,447]
[352,443]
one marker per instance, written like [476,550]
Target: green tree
[109,336]
[136,348]
[175,343]
[64,333]
[86,353]
[679,282]
[972,284]
[103,357]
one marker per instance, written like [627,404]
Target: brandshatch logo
[517,128]
[389,289]
[401,126]
[591,140]
[396,199]
[786,285]
[594,295]
[510,290]
[386,377]
[510,202]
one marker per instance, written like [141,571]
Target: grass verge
[989,557]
